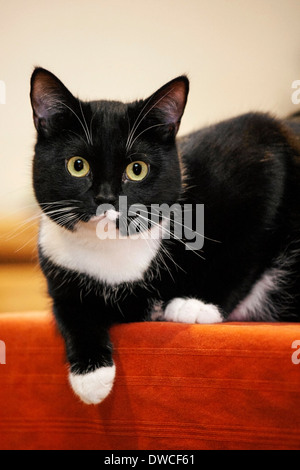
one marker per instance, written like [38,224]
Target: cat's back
[243,149]
[248,166]
[248,134]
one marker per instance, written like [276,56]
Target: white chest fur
[257,305]
[110,261]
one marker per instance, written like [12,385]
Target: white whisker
[172,235]
[163,249]
[182,225]
[138,123]
[78,135]
[91,128]
[75,114]
[145,130]
[87,130]
[135,124]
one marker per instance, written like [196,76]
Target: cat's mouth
[113,223]
[111,215]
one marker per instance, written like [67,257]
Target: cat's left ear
[168,105]
[50,100]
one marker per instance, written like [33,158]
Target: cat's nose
[110,199]
[104,197]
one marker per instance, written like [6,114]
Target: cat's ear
[168,104]
[49,99]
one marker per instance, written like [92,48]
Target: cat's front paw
[192,311]
[94,386]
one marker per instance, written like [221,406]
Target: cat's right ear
[49,99]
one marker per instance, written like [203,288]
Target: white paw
[192,311]
[94,386]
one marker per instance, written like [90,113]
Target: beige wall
[239,54]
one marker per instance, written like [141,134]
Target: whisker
[129,129]
[66,219]
[32,220]
[61,202]
[136,153]
[28,242]
[75,114]
[145,130]
[78,135]
[19,230]
[91,122]
[163,249]
[183,225]
[138,123]
[87,130]
[63,209]
[168,232]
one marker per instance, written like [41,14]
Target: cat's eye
[78,167]
[137,171]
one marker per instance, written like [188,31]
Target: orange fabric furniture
[178,387]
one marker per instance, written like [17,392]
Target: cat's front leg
[89,351]
[189,310]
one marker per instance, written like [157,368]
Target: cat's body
[246,172]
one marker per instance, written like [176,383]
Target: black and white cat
[246,172]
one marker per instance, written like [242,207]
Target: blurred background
[240,55]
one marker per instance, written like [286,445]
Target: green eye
[78,167]
[137,171]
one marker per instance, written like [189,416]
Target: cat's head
[90,153]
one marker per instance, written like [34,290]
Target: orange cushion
[228,386]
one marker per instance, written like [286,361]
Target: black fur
[245,171]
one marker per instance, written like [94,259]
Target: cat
[89,155]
